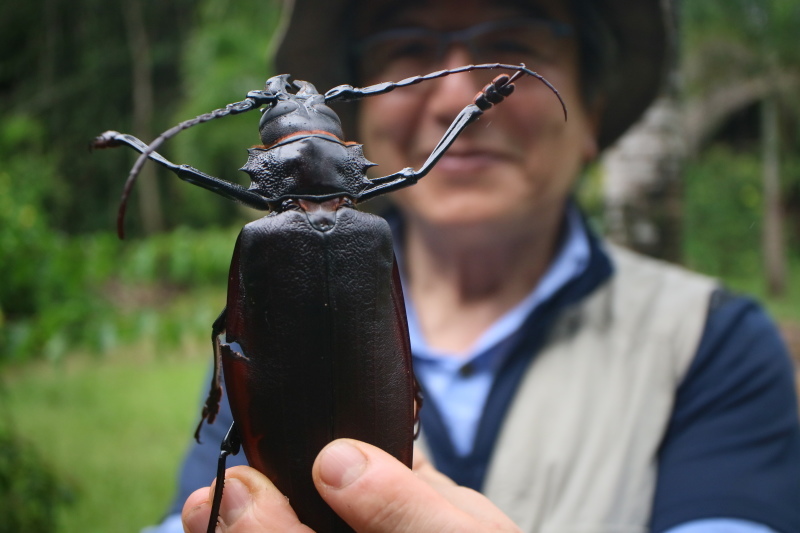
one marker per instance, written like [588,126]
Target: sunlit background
[104,343]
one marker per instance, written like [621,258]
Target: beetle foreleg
[493,93]
[496,91]
[409,176]
[211,407]
[187,173]
[230,446]
[418,400]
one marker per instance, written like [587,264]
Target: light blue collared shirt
[459,384]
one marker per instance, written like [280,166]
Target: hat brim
[311,45]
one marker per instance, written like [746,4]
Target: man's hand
[368,488]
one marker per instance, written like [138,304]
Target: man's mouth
[456,161]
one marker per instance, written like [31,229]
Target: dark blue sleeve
[200,464]
[732,447]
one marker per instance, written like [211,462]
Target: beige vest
[577,451]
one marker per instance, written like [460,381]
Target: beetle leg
[408,176]
[490,95]
[211,407]
[187,173]
[230,446]
[418,400]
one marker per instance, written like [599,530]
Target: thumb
[250,503]
[375,493]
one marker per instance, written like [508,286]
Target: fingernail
[341,463]
[235,501]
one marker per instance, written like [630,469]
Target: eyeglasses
[403,52]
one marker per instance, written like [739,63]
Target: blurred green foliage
[722,213]
[92,290]
[221,63]
[97,292]
[738,54]
[58,291]
[25,193]
[66,65]
[66,281]
[31,493]
[758,27]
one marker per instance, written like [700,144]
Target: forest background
[103,343]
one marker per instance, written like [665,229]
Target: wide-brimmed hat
[311,44]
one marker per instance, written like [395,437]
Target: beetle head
[301,111]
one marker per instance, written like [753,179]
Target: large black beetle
[315,340]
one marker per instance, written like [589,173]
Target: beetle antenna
[254,100]
[348,93]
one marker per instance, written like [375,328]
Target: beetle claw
[107,139]
[495,92]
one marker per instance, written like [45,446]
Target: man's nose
[450,94]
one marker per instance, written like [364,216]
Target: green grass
[114,428]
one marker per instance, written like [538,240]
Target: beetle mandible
[315,337]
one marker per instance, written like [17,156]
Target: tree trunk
[773,247]
[149,199]
[642,184]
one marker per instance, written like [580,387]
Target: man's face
[519,160]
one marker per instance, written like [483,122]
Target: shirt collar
[569,263]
